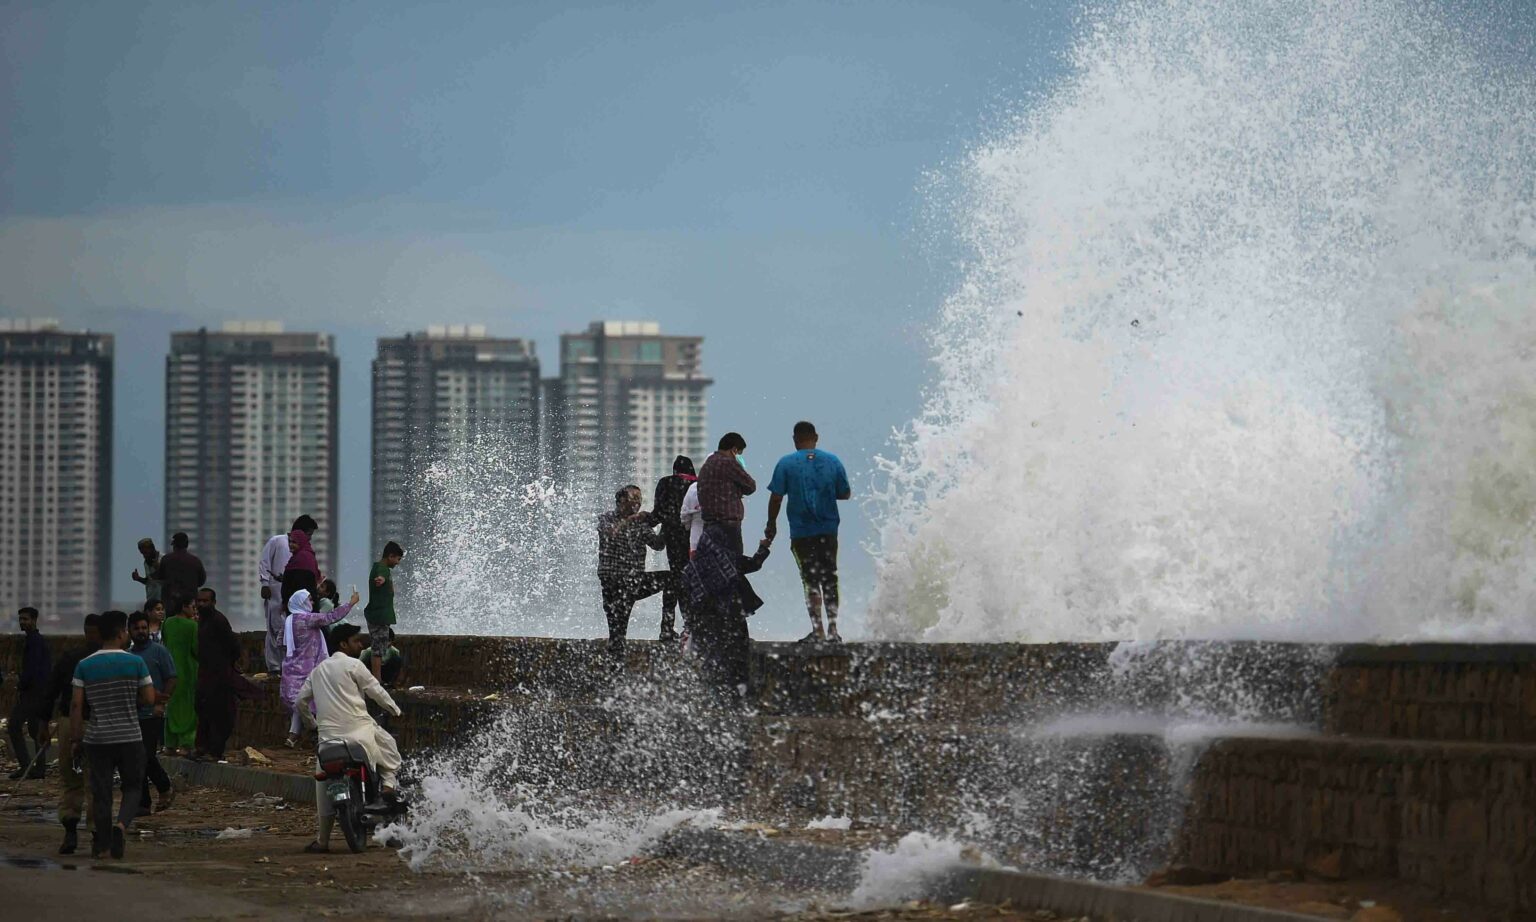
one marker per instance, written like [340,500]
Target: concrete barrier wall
[1458,818]
[1473,692]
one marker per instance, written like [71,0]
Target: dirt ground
[179,866]
[1363,900]
[218,854]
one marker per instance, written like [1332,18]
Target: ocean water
[1246,346]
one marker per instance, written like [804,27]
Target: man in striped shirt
[116,684]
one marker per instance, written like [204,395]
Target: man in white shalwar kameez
[274,559]
[339,688]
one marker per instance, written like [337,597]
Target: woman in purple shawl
[302,570]
[304,636]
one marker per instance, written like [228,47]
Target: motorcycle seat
[333,750]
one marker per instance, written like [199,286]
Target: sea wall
[1414,762]
[1470,692]
[1457,817]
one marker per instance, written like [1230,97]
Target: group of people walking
[697,519]
[169,678]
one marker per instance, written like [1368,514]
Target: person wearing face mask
[723,482]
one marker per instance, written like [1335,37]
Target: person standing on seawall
[380,610]
[622,538]
[668,507]
[181,573]
[814,480]
[303,568]
[269,572]
[723,481]
[151,575]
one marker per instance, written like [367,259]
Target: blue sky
[753,173]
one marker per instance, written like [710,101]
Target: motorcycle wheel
[349,815]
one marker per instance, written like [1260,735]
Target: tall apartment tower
[55,471]
[436,394]
[628,401]
[250,445]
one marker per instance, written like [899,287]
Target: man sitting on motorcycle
[339,688]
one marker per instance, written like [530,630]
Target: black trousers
[673,595]
[620,593]
[127,759]
[215,719]
[29,717]
[724,646]
[153,731]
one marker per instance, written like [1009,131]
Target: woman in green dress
[180,635]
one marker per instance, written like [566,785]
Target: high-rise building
[628,401]
[437,395]
[250,445]
[55,470]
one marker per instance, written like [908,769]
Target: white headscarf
[298,604]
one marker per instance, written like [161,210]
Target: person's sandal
[315,848]
[811,638]
[117,842]
[292,742]
[833,636]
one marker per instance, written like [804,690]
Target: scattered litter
[493,696]
[263,860]
[830,822]
[960,907]
[259,675]
[256,756]
[261,800]
[230,832]
[609,867]
[417,688]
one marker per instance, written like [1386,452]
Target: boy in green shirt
[380,611]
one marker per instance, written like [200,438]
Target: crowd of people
[696,517]
[169,678]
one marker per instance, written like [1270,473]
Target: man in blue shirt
[814,481]
[115,684]
[162,672]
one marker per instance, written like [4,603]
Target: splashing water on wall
[1246,348]
[505,552]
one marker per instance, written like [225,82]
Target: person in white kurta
[339,688]
[274,559]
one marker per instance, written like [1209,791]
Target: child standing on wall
[380,611]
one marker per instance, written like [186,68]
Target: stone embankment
[1416,763]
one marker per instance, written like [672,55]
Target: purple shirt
[308,650]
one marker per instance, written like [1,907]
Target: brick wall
[1481,692]
[1458,818]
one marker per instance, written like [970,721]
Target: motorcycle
[351,786]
